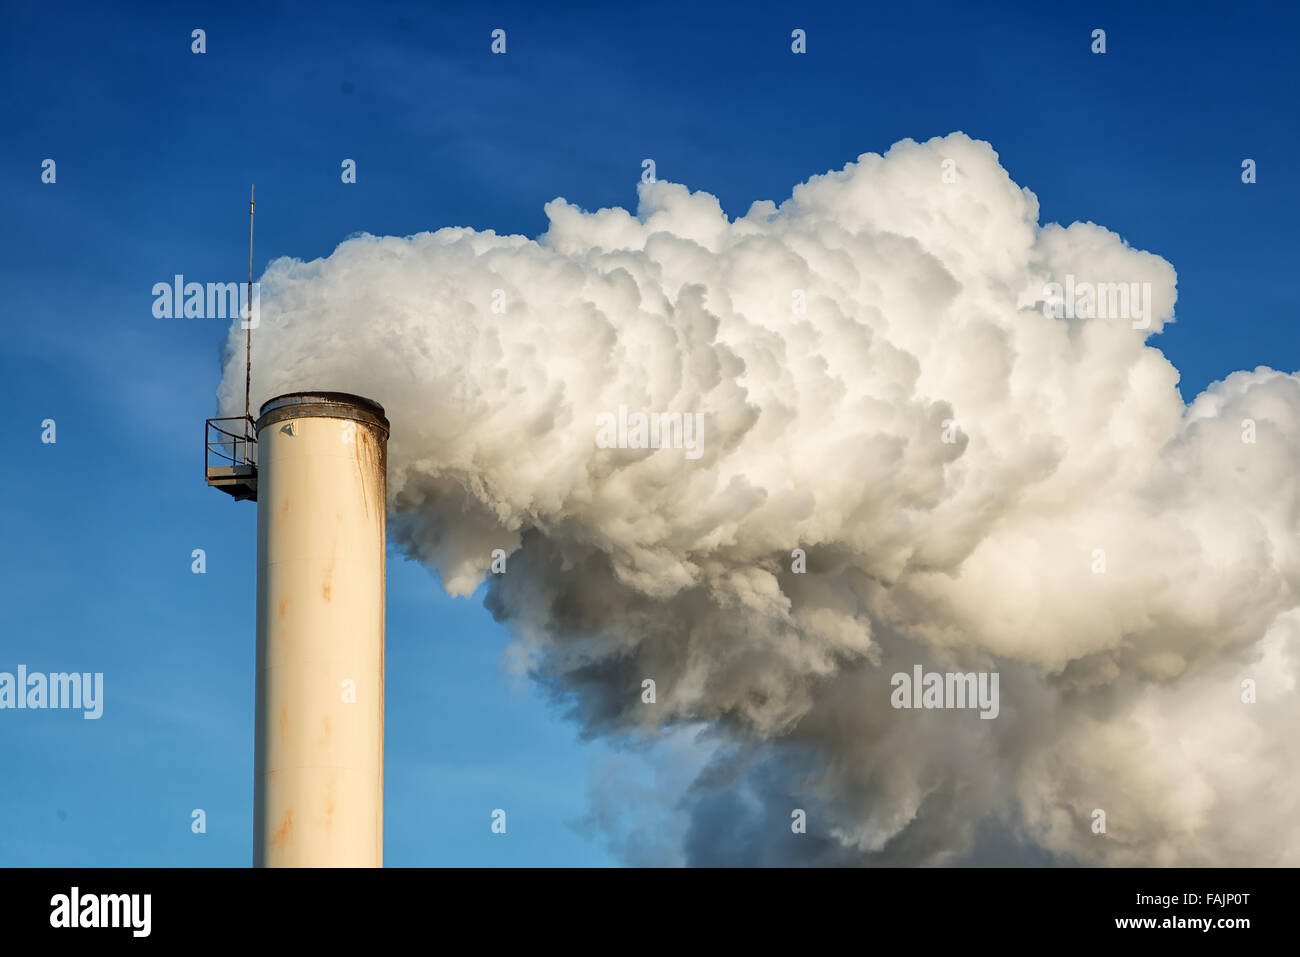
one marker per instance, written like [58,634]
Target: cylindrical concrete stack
[319,754]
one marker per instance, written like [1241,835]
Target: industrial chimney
[315,462]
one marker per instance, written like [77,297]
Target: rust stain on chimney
[370,463]
[329,807]
[280,839]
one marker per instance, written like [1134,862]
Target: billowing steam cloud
[977,484]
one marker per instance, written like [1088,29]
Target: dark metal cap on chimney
[332,405]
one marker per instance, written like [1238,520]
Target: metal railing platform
[230,456]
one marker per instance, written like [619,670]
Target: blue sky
[155,148]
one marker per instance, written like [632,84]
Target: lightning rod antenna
[248,322]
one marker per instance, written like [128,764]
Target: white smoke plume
[1124,561]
